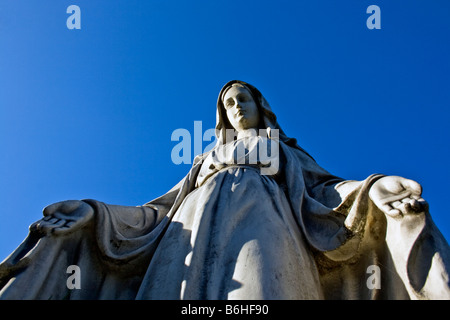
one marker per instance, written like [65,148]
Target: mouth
[240,113]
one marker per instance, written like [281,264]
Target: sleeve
[352,236]
[330,210]
[112,251]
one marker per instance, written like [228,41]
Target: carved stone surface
[255,218]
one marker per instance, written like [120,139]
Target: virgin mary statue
[255,218]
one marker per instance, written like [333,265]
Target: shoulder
[200,157]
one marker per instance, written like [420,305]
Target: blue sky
[89,113]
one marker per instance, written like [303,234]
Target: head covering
[269,120]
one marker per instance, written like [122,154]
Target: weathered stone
[255,218]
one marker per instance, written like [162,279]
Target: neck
[247,133]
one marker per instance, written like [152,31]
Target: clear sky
[89,113]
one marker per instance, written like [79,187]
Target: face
[242,111]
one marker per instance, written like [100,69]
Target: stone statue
[244,223]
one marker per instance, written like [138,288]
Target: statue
[242,224]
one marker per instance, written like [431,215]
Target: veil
[269,119]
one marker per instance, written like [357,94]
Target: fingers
[34,226]
[67,227]
[49,225]
[40,226]
[420,205]
[390,210]
[63,217]
[397,203]
[408,205]
[397,198]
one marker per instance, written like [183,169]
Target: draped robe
[226,231]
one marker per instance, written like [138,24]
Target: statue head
[240,107]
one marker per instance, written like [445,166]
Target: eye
[243,98]
[229,103]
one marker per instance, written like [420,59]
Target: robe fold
[300,234]
[231,230]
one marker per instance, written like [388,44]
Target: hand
[397,196]
[63,217]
